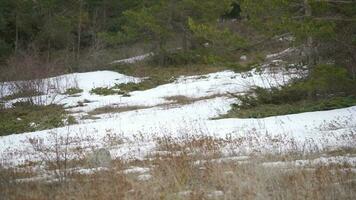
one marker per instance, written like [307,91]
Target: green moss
[26,118]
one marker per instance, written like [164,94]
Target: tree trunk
[49,51]
[104,13]
[185,45]
[16,33]
[79,28]
[49,39]
[309,49]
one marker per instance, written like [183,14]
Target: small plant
[110,109]
[22,104]
[125,88]
[72,91]
[21,94]
[71,120]
[146,84]
[105,91]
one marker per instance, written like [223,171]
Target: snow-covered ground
[133,59]
[137,130]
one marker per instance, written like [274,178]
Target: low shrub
[203,55]
[267,110]
[329,80]
[26,117]
[73,90]
[22,94]
[287,94]
[326,87]
[125,88]
[105,91]
[146,84]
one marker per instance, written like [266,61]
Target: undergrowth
[125,88]
[25,118]
[268,110]
[21,94]
[192,169]
[105,91]
[327,87]
[146,84]
[73,91]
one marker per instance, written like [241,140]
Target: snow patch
[132,59]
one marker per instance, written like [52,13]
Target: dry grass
[115,109]
[176,100]
[192,169]
[141,70]
[184,100]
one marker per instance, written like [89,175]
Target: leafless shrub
[179,176]
[64,152]
[27,77]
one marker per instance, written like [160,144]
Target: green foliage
[324,28]
[73,90]
[146,84]
[234,13]
[222,39]
[326,80]
[147,22]
[71,120]
[180,57]
[114,38]
[22,94]
[280,16]
[5,49]
[326,87]
[49,25]
[105,91]
[267,110]
[125,88]
[164,21]
[289,94]
[25,118]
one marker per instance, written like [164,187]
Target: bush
[178,57]
[326,87]
[276,96]
[329,80]
[197,56]
[22,94]
[324,81]
[267,110]
[146,84]
[72,91]
[105,91]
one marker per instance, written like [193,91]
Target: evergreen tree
[160,21]
[326,28]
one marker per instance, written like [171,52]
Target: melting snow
[139,128]
[133,59]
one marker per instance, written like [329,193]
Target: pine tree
[325,28]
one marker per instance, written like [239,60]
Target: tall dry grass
[190,169]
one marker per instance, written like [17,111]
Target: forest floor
[137,138]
